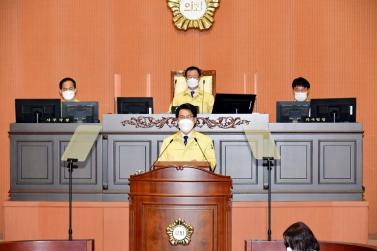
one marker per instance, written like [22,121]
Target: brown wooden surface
[201,164]
[259,245]
[199,197]
[48,245]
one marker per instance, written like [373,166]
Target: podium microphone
[204,81]
[171,104]
[175,84]
[203,153]
[152,166]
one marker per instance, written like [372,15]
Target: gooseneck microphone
[152,166]
[203,153]
[171,104]
[175,84]
[204,81]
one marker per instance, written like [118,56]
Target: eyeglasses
[186,117]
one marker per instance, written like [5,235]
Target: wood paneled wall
[108,222]
[329,42]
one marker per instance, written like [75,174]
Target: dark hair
[186,106]
[300,82]
[298,236]
[65,80]
[193,68]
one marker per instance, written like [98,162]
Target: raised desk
[320,161]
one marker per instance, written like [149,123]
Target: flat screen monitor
[36,110]
[292,111]
[334,109]
[135,105]
[81,112]
[233,103]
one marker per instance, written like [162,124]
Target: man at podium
[188,144]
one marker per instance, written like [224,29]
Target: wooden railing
[48,245]
[259,245]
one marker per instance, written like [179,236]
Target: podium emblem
[180,233]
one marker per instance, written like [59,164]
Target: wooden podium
[180,207]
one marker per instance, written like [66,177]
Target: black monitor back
[81,112]
[135,105]
[292,111]
[334,109]
[233,103]
[36,110]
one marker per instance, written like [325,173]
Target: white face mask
[186,125]
[192,82]
[68,95]
[301,96]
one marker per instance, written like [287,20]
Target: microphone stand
[174,85]
[209,165]
[269,164]
[152,166]
[70,166]
[203,96]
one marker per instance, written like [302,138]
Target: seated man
[301,89]
[193,94]
[188,144]
[68,89]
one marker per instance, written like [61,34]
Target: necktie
[192,93]
[185,137]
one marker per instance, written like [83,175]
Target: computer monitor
[81,112]
[334,109]
[292,111]
[233,103]
[135,105]
[36,110]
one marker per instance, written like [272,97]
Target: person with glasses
[301,89]
[67,88]
[193,94]
[188,144]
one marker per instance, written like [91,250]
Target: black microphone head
[171,141]
[196,140]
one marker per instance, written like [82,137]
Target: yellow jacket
[200,97]
[177,151]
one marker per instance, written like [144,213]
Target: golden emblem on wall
[193,13]
[180,233]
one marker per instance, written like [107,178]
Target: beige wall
[332,43]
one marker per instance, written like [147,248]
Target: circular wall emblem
[193,13]
[193,10]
